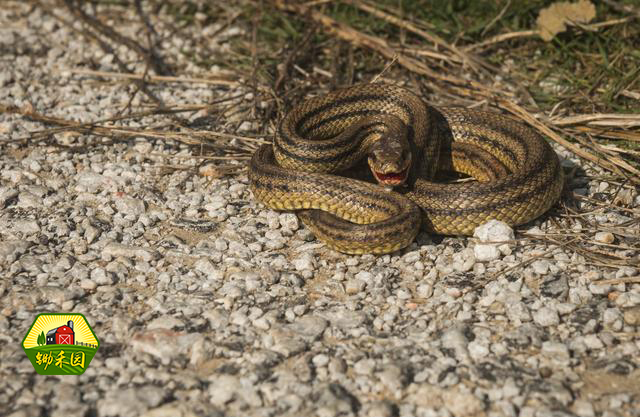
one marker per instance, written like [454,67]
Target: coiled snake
[405,143]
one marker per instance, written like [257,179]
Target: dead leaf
[555,18]
[210,170]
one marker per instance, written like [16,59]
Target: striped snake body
[405,142]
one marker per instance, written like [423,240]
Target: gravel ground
[206,303]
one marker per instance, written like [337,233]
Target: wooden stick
[545,130]
[153,78]
[471,60]
[600,119]
[379,45]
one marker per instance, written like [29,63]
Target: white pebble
[604,237]
[546,316]
[541,266]
[289,221]
[102,277]
[477,350]
[302,263]
[354,286]
[493,236]
[463,261]
[556,351]
[486,252]
[593,342]
[365,276]
[494,231]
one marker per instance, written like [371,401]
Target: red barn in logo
[63,335]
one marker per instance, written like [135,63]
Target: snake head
[389,160]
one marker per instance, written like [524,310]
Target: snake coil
[518,175]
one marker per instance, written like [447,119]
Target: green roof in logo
[60,344]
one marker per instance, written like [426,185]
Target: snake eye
[373,157]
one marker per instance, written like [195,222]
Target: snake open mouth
[391,178]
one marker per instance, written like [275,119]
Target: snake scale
[405,143]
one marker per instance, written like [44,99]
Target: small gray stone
[411,257]
[6,195]
[130,401]
[364,276]
[364,366]
[130,206]
[486,252]
[541,266]
[286,342]
[175,409]
[494,231]
[354,286]
[102,277]
[221,244]
[79,272]
[87,284]
[583,408]
[205,266]
[454,338]
[26,227]
[612,318]
[518,312]
[546,316]
[222,389]
[231,291]
[53,294]
[29,200]
[555,287]
[165,322]
[425,290]
[127,251]
[217,202]
[592,342]
[275,240]
[337,366]
[344,319]
[392,378]
[309,327]
[164,344]
[252,281]
[305,262]
[35,166]
[604,237]
[289,221]
[352,261]
[599,289]
[462,404]
[632,316]
[463,261]
[31,264]
[381,409]
[91,181]
[628,299]
[335,400]
[320,360]
[91,233]
[556,351]
[239,250]
[626,271]
[477,350]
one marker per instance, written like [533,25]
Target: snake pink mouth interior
[392,178]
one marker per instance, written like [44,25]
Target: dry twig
[155,78]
